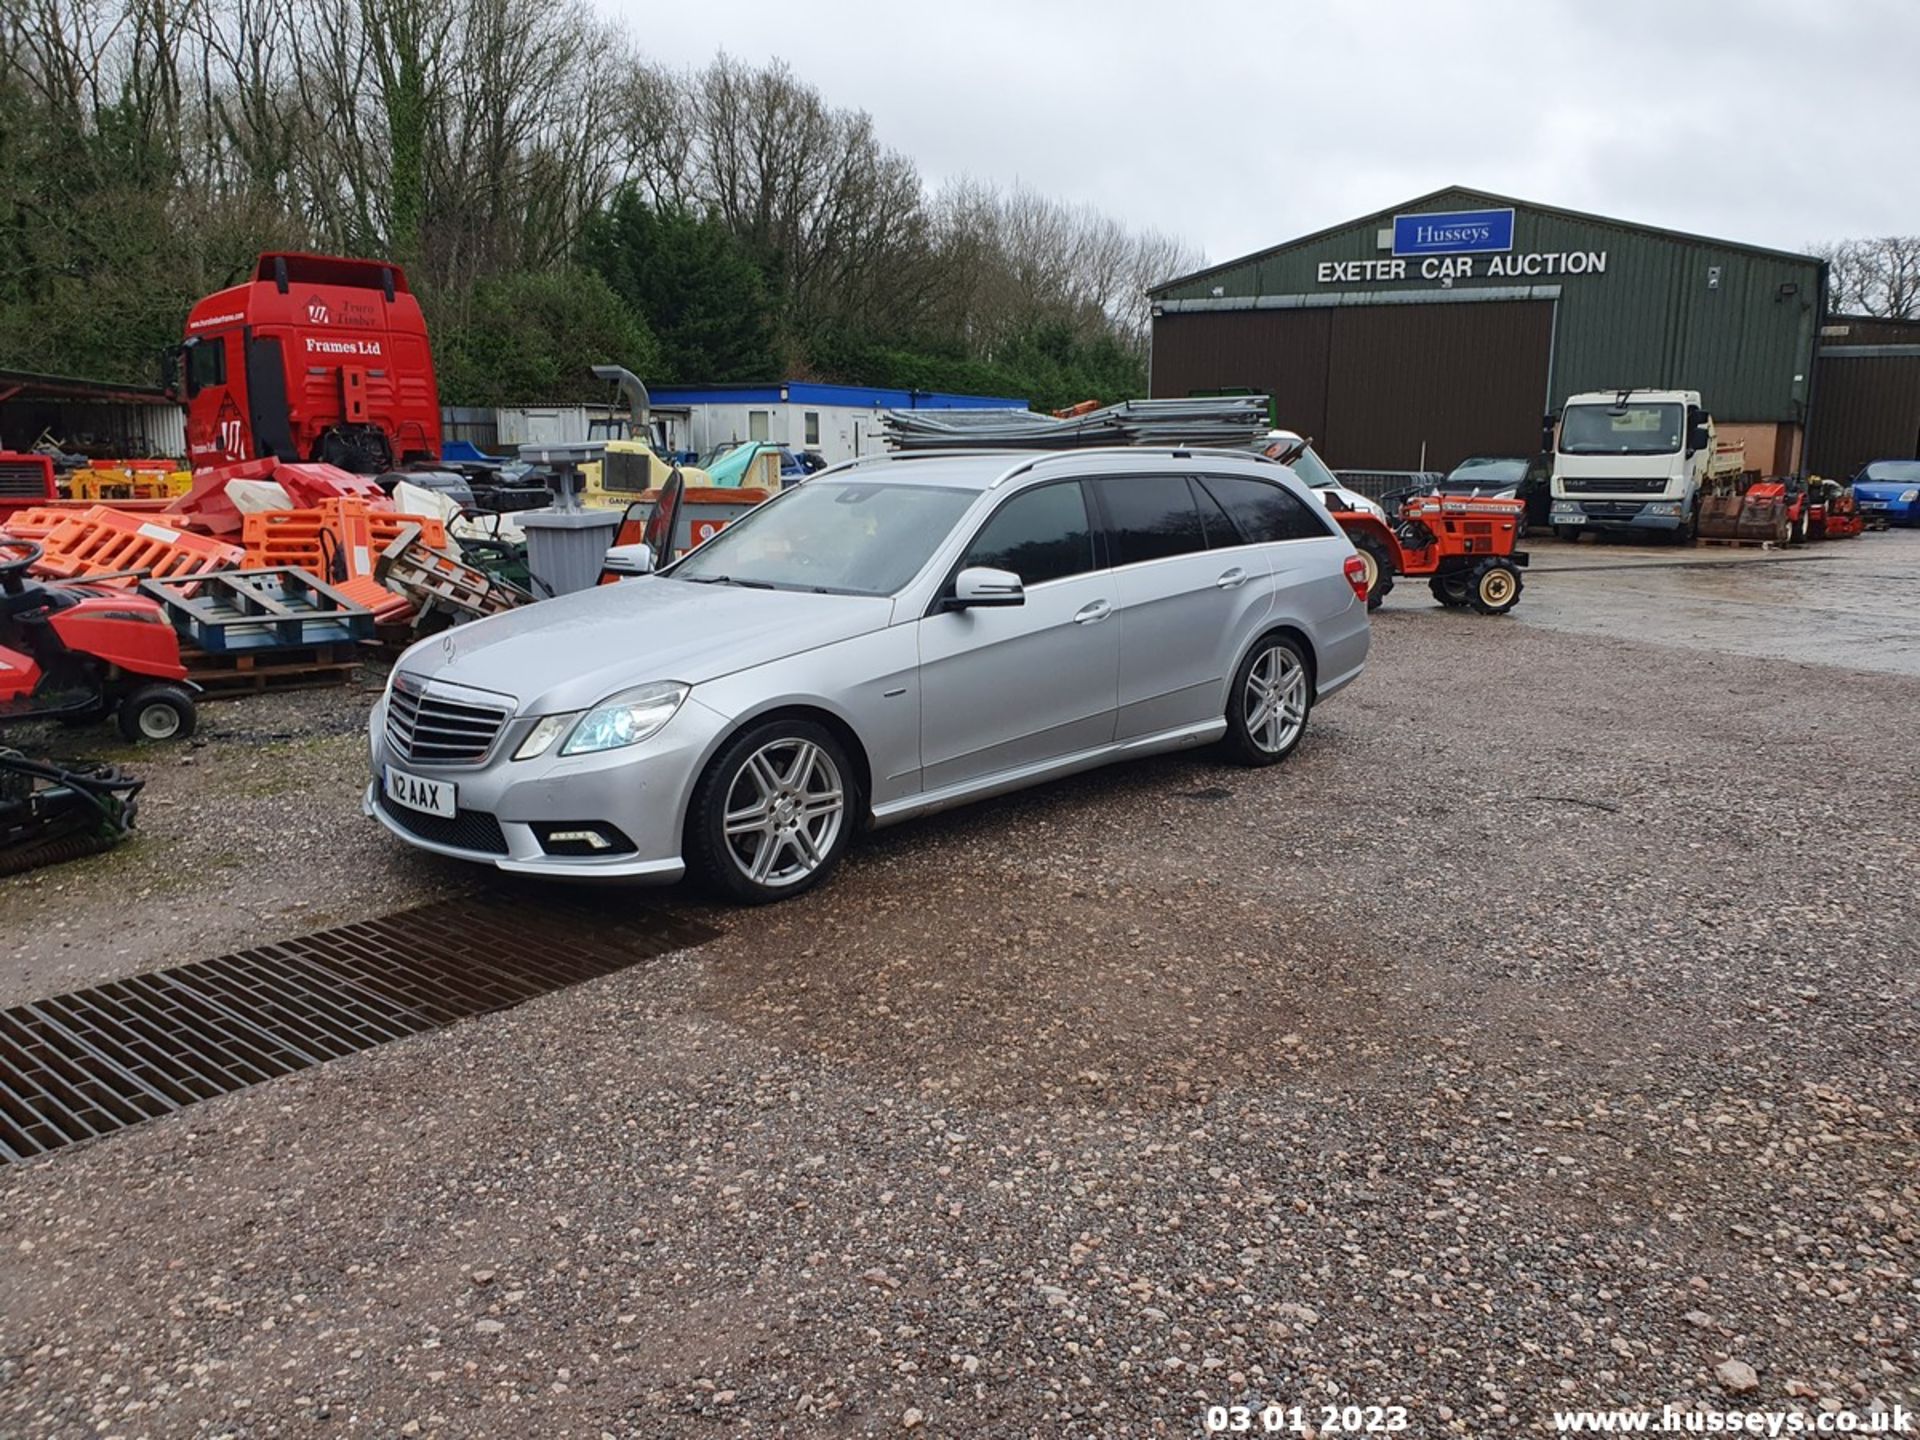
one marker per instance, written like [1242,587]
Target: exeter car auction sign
[1458,245]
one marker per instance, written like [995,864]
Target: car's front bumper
[1616,514]
[641,791]
[1894,512]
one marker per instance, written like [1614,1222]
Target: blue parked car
[1889,490]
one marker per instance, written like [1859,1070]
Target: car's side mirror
[980,585]
[1697,440]
[625,561]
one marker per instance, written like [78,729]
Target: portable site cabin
[836,422]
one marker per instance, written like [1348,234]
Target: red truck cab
[316,357]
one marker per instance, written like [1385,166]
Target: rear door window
[1041,534]
[1151,517]
[1264,511]
[1219,527]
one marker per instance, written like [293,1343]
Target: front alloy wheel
[1271,698]
[770,817]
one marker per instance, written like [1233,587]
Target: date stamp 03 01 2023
[1305,1419]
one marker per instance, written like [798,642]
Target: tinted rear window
[1153,516]
[1264,511]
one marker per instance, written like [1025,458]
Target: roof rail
[1032,456]
[882,457]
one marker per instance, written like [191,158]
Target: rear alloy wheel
[1495,588]
[1267,707]
[770,818]
[1379,565]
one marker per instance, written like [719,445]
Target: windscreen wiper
[730,580]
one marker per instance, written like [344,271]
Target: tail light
[1357,575]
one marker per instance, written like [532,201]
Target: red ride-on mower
[78,653]
[1462,544]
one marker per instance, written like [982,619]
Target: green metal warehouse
[1457,323]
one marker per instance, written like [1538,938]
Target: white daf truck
[1633,460]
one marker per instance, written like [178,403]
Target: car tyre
[158,713]
[772,813]
[1269,702]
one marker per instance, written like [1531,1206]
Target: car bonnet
[569,652]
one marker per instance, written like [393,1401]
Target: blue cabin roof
[810,392]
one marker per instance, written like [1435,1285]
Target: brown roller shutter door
[1868,408]
[1373,384]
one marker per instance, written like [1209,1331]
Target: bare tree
[1878,276]
[1016,258]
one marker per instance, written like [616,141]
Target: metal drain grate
[94,1061]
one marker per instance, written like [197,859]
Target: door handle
[1233,579]
[1092,613]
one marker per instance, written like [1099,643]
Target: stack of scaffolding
[1233,422]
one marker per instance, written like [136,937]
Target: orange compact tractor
[1462,544]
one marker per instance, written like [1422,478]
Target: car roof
[990,469]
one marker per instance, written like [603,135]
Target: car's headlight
[626,718]
[546,730]
[1907,497]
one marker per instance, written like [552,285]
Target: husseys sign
[1458,245]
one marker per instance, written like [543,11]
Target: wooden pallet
[301,668]
[433,579]
[274,609]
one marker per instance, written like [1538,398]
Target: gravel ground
[1541,1035]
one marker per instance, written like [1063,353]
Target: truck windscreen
[1625,430]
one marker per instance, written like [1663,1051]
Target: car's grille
[1613,487]
[433,730]
[1613,509]
[473,830]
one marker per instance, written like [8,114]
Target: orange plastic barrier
[34,522]
[103,540]
[367,591]
[359,533]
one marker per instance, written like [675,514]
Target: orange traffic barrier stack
[346,527]
[105,541]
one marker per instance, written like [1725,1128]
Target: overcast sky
[1238,126]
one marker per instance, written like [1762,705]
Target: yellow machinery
[107,480]
[630,470]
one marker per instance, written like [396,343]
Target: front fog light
[626,719]
[546,730]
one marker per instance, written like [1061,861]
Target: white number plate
[432,797]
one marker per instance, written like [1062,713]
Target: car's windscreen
[1312,470]
[1487,472]
[1893,472]
[1620,430]
[839,536]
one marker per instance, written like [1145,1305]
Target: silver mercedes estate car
[893,637]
